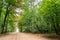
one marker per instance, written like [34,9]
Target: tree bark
[4,23]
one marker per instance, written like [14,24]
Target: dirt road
[29,36]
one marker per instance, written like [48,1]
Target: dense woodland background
[42,17]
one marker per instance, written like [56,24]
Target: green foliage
[41,18]
[45,19]
[7,16]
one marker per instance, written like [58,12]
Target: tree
[9,4]
[50,10]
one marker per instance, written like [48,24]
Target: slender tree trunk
[4,23]
[55,24]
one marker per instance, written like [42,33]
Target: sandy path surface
[29,36]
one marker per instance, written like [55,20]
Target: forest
[32,16]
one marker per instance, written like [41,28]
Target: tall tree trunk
[4,23]
[56,23]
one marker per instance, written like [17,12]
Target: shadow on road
[55,37]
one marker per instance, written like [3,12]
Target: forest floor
[28,36]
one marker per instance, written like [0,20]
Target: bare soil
[28,36]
